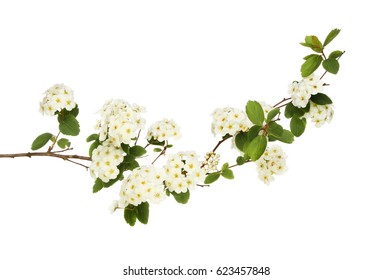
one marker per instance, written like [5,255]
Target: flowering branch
[115,151]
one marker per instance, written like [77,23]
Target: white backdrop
[328,217]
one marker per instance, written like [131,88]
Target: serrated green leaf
[257,147]
[335,54]
[310,65]
[332,35]
[69,125]
[314,43]
[272,114]
[331,65]
[181,197]
[137,151]
[255,112]
[92,137]
[212,177]
[227,173]
[93,146]
[240,140]
[297,125]
[130,215]
[63,143]
[98,185]
[291,110]
[41,141]
[275,129]
[142,212]
[286,137]
[321,99]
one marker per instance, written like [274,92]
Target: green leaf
[98,185]
[69,125]
[306,57]
[321,99]
[74,111]
[240,160]
[167,192]
[286,137]
[253,132]
[211,178]
[297,126]
[255,112]
[332,35]
[314,43]
[331,65]
[275,129]
[310,65]
[291,110]
[257,147]
[227,173]
[181,197]
[129,163]
[63,143]
[225,166]
[92,137]
[142,212]
[137,151]
[93,146]
[157,150]
[240,140]
[41,141]
[335,54]
[155,142]
[130,215]
[272,114]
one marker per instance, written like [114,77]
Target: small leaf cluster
[313,61]
[68,125]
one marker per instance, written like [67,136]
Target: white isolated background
[328,217]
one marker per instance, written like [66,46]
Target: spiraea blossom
[302,91]
[164,130]
[272,162]
[104,161]
[120,121]
[211,161]
[57,98]
[229,120]
[320,114]
[145,183]
[183,172]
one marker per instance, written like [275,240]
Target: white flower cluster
[164,130]
[183,171]
[105,159]
[320,114]
[229,120]
[57,98]
[144,183]
[120,121]
[272,162]
[302,91]
[210,164]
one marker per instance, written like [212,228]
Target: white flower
[229,121]
[120,121]
[266,108]
[57,98]
[183,172]
[164,130]
[113,207]
[210,164]
[302,91]
[320,114]
[143,184]
[272,162]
